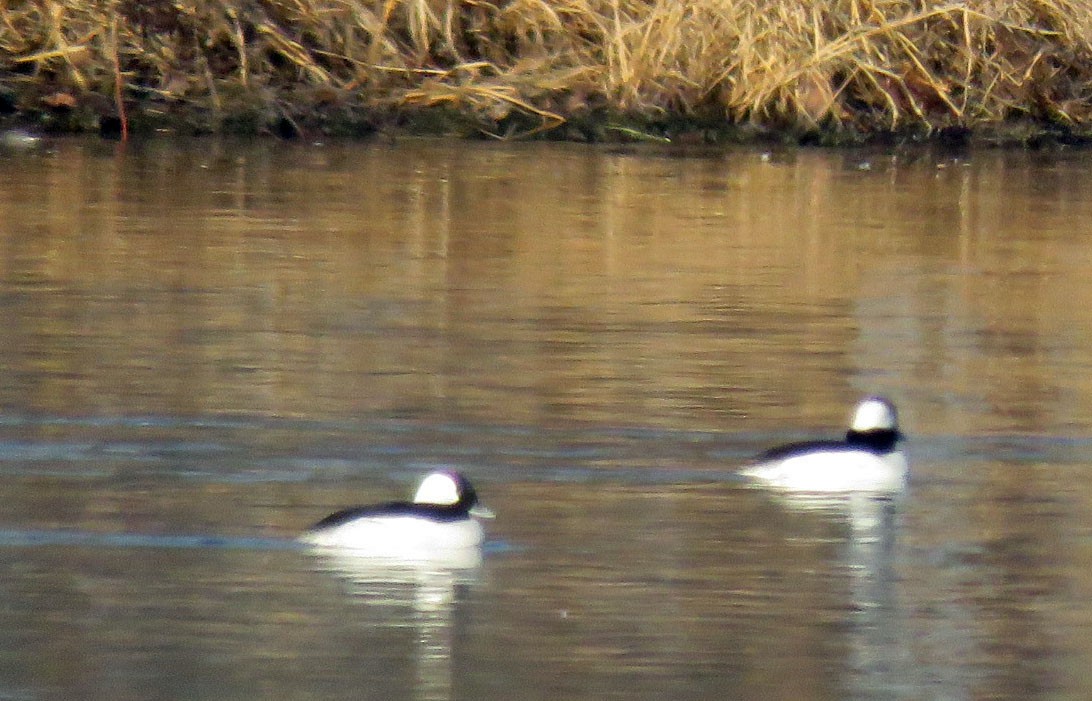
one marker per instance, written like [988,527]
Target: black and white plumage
[869,459]
[441,518]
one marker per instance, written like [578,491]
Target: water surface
[209,345]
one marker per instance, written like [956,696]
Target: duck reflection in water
[412,555]
[860,481]
[428,590]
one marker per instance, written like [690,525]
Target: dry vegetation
[572,67]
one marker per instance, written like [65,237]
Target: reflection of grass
[520,67]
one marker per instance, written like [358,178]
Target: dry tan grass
[860,64]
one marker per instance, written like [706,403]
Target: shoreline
[848,73]
[150,121]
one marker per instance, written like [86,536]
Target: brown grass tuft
[861,65]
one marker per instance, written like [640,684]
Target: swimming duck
[443,517]
[868,459]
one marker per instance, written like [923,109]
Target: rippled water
[207,346]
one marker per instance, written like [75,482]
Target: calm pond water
[207,346]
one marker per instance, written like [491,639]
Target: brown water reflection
[543,284]
[234,339]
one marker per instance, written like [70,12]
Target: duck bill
[481,511]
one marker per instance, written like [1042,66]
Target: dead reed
[515,67]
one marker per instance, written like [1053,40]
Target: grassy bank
[841,70]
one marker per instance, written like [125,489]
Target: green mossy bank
[842,71]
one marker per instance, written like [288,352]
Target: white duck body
[869,459]
[439,523]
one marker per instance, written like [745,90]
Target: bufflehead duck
[438,521]
[869,459]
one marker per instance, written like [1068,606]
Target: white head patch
[874,414]
[438,488]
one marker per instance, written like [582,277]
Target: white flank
[407,538]
[835,470]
